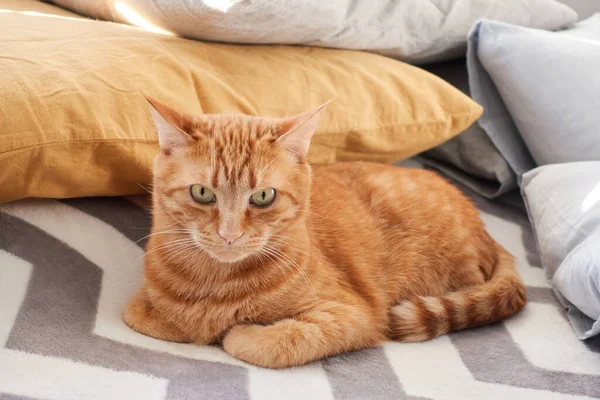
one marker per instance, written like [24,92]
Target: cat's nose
[230,236]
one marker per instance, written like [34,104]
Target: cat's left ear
[298,130]
[171,126]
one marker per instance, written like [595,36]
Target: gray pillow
[563,202]
[470,158]
[540,91]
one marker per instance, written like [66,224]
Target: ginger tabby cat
[284,263]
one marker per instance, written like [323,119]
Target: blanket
[68,267]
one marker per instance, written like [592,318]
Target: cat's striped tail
[425,318]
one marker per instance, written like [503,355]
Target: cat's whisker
[172,231]
[149,191]
[281,268]
[291,246]
[290,260]
[167,245]
[179,249]
[176,241]
[286,241]
[284,257]
[259,175]
[289,242]
[304,276]
[170,248]
[289,238]
[261,254]
[152,193]
[143,187]
[176,224]
[182,251]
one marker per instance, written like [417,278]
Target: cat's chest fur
[207,308]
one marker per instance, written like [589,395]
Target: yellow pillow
[74,121]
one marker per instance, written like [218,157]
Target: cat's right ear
[170,125]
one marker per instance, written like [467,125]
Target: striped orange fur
[346,256]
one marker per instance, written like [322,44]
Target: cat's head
[235,183]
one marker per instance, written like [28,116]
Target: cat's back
[392,222]
[399,219]
[368,172]
[383,191]
[372,181]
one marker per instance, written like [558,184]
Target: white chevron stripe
[38,376]
[121,263]
[510,235]
[14,278]
[536,329]
[548,341]
[423,378]
[32,375]
[308,382]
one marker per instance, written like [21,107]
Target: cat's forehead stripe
[235,148]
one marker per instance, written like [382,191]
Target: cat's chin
[228,256]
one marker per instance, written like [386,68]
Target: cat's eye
[263,197]
[202,194]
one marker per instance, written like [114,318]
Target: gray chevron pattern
[67,267]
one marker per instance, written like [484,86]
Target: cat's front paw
[140,317]
[272,346]
[241,342]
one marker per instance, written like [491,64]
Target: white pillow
[563,201]
[584,8]
[541,94]
[412,30]
[537,87]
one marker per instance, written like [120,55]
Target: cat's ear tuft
[297,131]
[170,126]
